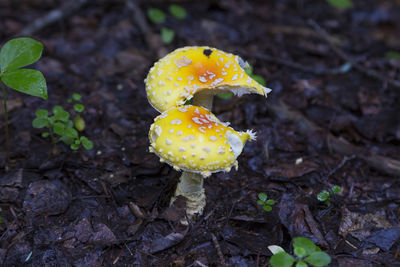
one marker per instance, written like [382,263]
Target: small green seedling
[157,16]
[249,71]
[177,11]
[61,128]
[14,55]
[305,251]
[325,196]
[167,35]
[341,4]
[393,55]
[79,122]
[265,202]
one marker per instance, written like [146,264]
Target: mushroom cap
[179,75]
[193,139]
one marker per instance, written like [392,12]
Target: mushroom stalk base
[203,99]
[191,187]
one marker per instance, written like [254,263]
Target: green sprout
[177,11]
[325,196]
[265,202]
[157,16]
[14,55]
[167,35]
[341,4]
[393,55]
[60,128]
[305,251]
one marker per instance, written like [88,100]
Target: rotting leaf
[353,221]
[384,238]
[297,218]
[168,241]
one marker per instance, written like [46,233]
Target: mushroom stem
[203,99]
[191,187]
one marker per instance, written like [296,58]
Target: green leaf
[79,123]
[270,202]
[69,124]
[177,11]
[167,35]
[87,144]
[74,146]
[275,249]
[79,107]
[42,113]
[267,208]
[28,81]
[393,55]
[318,259]
[71,132]
[59,128]
[301,264]
[40,123]
[249,69]
[66,139]
[19,52]
[340,4]
[304,243]
[58,109]
[282,259]
[76,97]
[258,79]
[60,114]
[52,120]
[262,196]
[323,195]
[45,134]
[227,95]
[156,15]
[336,189]
[260,202]
[299,252]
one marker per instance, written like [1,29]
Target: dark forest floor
[78,208]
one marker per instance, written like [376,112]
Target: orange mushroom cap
[179,75]
[193,139]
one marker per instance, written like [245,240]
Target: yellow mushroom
[191,138]
[199,70]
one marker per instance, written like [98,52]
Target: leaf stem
[6,121]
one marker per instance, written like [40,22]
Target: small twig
[372,73]
[130,251]
[118,256]
[52,17]
[218,248]
[341,164]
